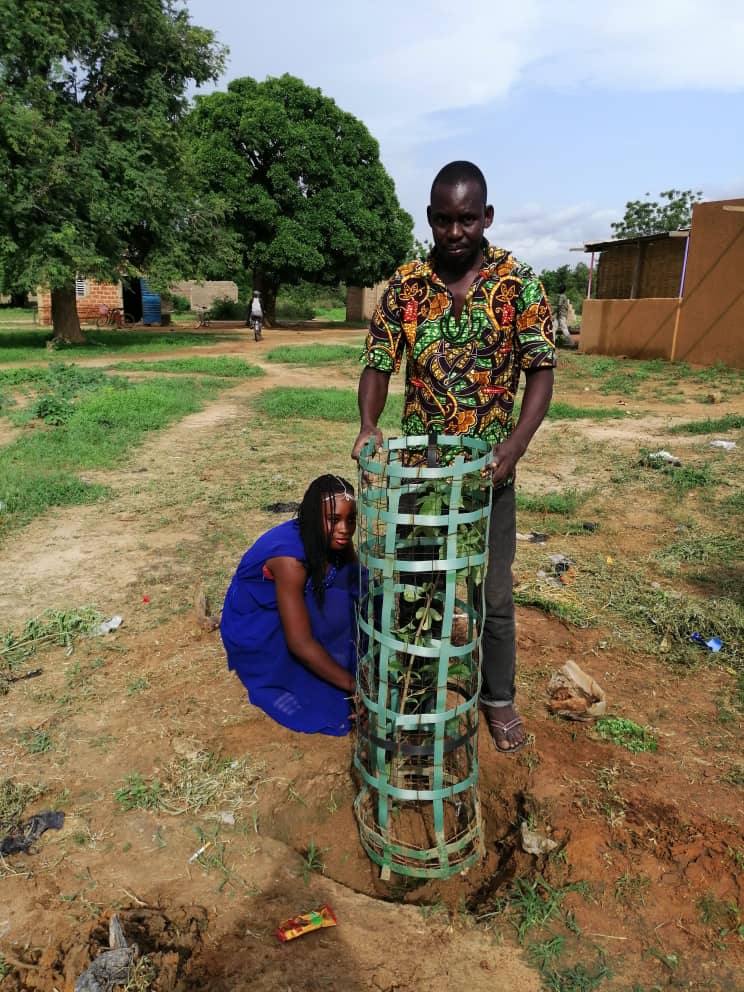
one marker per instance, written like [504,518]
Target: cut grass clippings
[37,471]
[316,354]
[222,365]
[338,405]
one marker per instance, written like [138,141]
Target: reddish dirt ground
[655,838]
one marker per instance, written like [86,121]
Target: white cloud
[545,237]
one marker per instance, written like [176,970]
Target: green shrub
[223,308]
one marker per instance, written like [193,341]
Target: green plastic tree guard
[423,537]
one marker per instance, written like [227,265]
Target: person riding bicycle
[255,315]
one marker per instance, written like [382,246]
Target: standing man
[470,320]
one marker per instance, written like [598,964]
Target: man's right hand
[362,439]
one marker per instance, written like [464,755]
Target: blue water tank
[151,313]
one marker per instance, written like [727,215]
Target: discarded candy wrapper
[108,625]
[714,644]
[535,843]
[664,456]
[305,923]
[575,695]
[726,445]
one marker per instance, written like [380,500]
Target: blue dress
[256,647]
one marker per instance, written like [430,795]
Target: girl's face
[339,522]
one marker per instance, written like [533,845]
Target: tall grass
[220,365]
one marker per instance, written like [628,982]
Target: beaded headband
[344,494]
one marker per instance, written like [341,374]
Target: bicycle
[202,317]
[257,325]
[114,317]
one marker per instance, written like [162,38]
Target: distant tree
[649,217]
[91,177]
[420,250]
[575,280]
[308,196]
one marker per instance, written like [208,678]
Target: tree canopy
[91,179]
[307,195]
[650,217]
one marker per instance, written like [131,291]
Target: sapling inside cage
[424,507]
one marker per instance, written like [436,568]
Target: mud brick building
[677,295]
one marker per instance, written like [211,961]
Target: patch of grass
[671,618]
[564,503]
[213,859]
[137,685]
[631,890]
[565,411]
[730,422]
[204,781]
[14,798]
[723,916]
[625,733]
[312,861]
[577,978]
[315,354]
[36,471]
[711,549]
[626,384]
[31,346]
[137,794]
[565,610]
[37,741]
[533,903]
[61,627]
[221,365]
[337,405]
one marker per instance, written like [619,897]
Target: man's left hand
[504,458]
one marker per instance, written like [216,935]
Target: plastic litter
[560,563]
[590,526]
[533,537]
[575,695]
[108,625]
[305,923]
[535,843]
[20,840]
[726,445]
[664,456]
[714,644]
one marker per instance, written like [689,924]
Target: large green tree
[308,196]
[91,176]
[651,217]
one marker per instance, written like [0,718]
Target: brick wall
[362,301]
[203,294]
[100,294]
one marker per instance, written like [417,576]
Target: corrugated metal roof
[639,239]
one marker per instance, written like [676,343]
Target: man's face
[458,217]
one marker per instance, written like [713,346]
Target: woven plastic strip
[424,507]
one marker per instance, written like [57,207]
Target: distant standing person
[255,315]
[561,317]
[469,320]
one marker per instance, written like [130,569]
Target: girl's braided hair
[312,530]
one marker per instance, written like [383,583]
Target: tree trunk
[19,298]
[268,291]
[65,320]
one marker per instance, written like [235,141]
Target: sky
[570,108]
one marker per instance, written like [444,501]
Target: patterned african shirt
[462,375]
